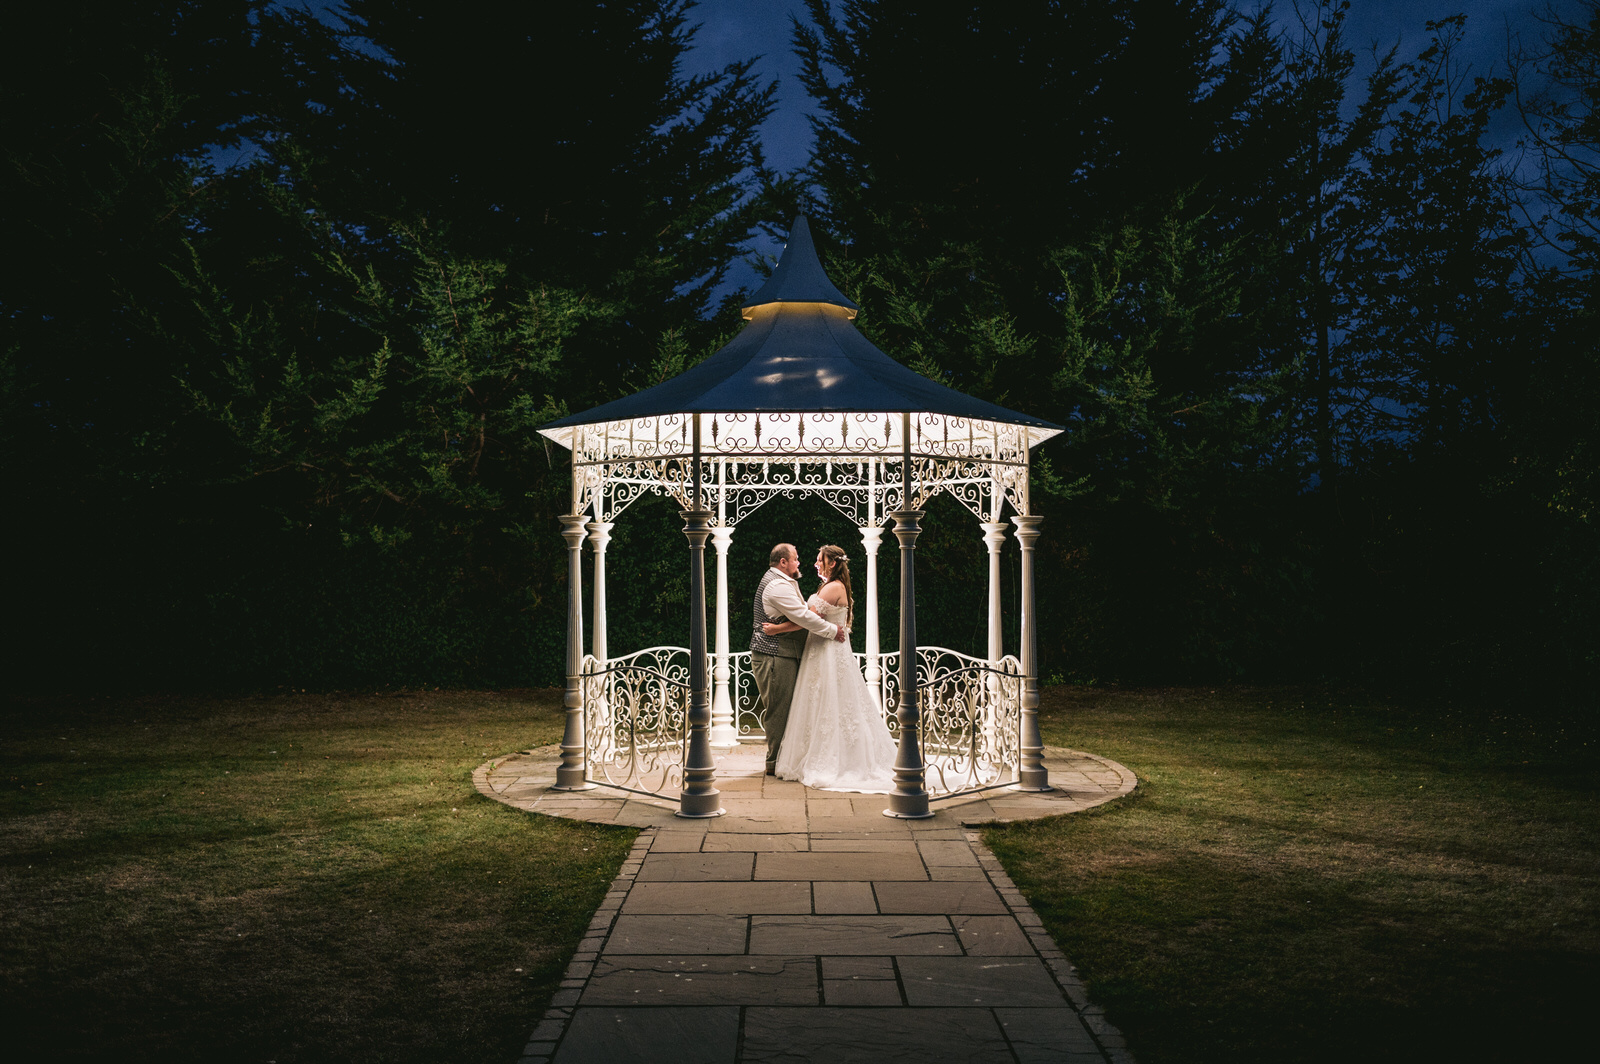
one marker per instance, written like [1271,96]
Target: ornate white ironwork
[971,711]
[746,716]
[852,461]
[753,727]
[971,720]
[636,719]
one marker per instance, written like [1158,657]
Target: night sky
[736,29]
[731,30]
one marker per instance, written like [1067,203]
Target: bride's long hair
[839,569]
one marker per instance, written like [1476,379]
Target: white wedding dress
[836,739]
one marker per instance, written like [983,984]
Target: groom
[775,659]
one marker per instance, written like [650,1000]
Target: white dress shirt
[782,599]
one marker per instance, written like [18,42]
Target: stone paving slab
[738,980]
[679,842]
[853,935]
[804,925]
[859,866]
[938,897]
[751,823]
[696,1035]
[1048,1036]
[679,934]
[835,897]
[690,867]
[860,992]
[731,899]
[860,981]
[870,1036]
[990,936]
[983,981]
[757,843]
[946,852]
[823,842]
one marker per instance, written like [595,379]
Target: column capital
[871,537]
[574,529]
[1027,528]
[696,525]
[722,538]
[907,526]
[600,534]
[994,534]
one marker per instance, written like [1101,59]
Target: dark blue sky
[731,30]
[736,29]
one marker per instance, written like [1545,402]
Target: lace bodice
[831,614]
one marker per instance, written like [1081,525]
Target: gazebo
[799,403]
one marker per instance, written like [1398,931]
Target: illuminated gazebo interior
[798,404]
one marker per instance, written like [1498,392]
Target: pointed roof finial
[799,277]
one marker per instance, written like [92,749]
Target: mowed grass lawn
[1300,876]
[1310,876]
[288,878]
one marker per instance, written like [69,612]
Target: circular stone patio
[766,804]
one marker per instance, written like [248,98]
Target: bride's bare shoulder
[832,594]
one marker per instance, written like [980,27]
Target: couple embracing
[823,727]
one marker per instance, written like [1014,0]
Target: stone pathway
[806,926]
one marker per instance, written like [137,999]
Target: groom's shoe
[772,770]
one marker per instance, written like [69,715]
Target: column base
[581,785]
[700,806]
[908,806]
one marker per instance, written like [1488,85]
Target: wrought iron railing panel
[636,716]
[742,690]
[636,713]
[971,714]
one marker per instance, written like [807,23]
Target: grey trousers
[774,678]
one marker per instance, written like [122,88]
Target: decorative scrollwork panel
[636,713]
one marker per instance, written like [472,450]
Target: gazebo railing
[971,714]
[636,714]
[742,691]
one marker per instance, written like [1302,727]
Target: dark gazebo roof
[800,353]
[798,277]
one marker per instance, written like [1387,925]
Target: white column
[994,536]
[871,539]
[598,737]
[724,736]
[599,539]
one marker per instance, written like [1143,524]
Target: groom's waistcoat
[787,645]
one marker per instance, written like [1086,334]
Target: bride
[836,739]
